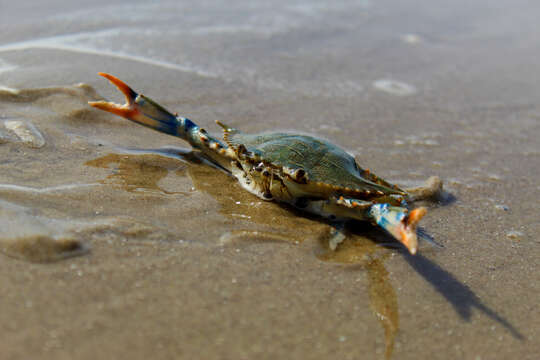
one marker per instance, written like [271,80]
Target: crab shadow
[445,198]
[460,296]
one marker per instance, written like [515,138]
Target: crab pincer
[400,223]
[138,108]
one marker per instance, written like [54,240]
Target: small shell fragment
[514,235]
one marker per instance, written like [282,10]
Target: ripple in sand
[5,67]
[394,87]
[23,131]
[32,238]
[8,90]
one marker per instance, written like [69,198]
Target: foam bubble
[411,39]
[394,87]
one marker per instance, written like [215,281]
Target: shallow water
[121,242]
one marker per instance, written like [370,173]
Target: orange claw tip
[415,216]
[126,111]
[408,238]
[129,93]
[408,231]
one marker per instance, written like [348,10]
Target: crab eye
[267,195]
[259,167]
[299,174]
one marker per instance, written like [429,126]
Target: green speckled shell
[322,161]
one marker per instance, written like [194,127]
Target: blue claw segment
[384,214]
[398,222]
[156,117]
[143,110]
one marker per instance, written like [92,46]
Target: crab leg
[431,189]
[145,111]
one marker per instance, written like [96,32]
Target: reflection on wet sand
[368,256]
[142,169]
[136,172]
[383,301]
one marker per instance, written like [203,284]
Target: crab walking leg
[431,189]
[143,110]
[336,236]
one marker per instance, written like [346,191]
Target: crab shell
[294,168]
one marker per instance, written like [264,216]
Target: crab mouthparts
[127,110]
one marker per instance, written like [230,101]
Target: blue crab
[306,172]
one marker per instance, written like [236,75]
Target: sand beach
[120,242]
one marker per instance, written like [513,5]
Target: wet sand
[119,242]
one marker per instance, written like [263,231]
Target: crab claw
[399,223]
[407,229]
[138,108]
[128,110]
